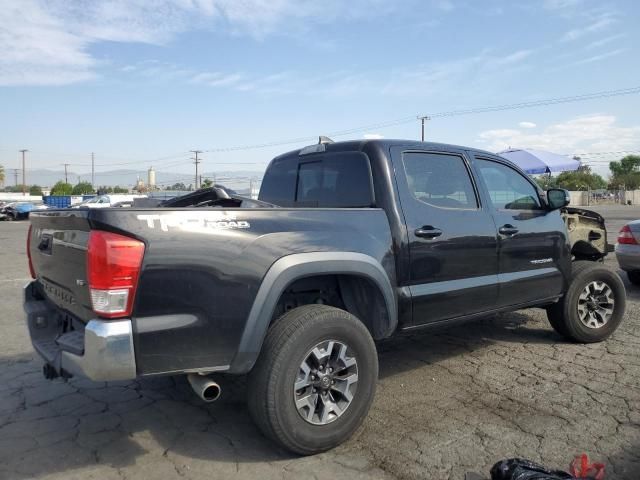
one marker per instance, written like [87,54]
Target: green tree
[1,174]
[118,189]
[82,188]
[206,183]
[35,190]
[62,188]
[546,182]
[580,180]
[14,188]
[178,186]
[625,173]
[625,166]
[629,181]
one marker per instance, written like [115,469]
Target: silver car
[628,250]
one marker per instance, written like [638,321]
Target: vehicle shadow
[430,346]
[58,426]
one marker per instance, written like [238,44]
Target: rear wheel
[634,277]
[593,306]
[315,379]
[10,217]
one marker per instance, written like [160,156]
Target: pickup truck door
[534,254]
[452,239]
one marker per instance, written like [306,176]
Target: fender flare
[294,267]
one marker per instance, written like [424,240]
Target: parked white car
[111,200]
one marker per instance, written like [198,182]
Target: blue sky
[144,81]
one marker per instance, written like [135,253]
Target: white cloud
[604,41]
[527,125]
[457,74]
[218,79]
[561,4]
[597,58]
[590,133]
[36,49]
[593,27]
[373,136]
[514,57]
[48,41]
[445,5]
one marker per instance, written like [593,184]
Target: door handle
[508,230]
[428,232]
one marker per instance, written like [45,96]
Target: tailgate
[58,252]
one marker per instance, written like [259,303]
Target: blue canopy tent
[539,161]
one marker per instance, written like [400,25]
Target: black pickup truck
[348,244]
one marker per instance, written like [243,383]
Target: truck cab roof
[360,145]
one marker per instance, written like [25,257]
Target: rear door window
[333,180]
[440,180]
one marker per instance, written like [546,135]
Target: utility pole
[422,119]
[15,176]
[196,161]
[65,172]
[24,181]
[92,168]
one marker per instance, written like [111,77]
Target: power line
[620,152]
[65,172]
[385,124]
[450,113]
[24,181]
[422,119]
[196,161]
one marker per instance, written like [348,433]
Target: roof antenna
[323,140]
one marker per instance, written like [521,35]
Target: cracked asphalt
[448,402]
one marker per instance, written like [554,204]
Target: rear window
[335,180]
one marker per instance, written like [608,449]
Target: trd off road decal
[194,221]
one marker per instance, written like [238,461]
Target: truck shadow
[48,427]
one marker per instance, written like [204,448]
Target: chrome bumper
[108,352]
[101,351]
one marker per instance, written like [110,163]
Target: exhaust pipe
[205,388]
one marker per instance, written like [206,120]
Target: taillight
[31,270]
[113,268]
[626,236]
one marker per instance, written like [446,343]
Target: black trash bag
[521,469]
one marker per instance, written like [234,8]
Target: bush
[82,188]
[62,188]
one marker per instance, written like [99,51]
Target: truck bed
[201,270]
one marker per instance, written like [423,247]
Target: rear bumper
[628,257]
[101,350]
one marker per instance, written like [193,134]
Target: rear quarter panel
[203,267]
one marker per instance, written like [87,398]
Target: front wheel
[315,379]
[593,305]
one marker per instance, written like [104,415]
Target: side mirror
[557,198]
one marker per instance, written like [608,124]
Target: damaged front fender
[587,233]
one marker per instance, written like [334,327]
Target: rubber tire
[634,277]
[9,218]
[563,315]
[270,383]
